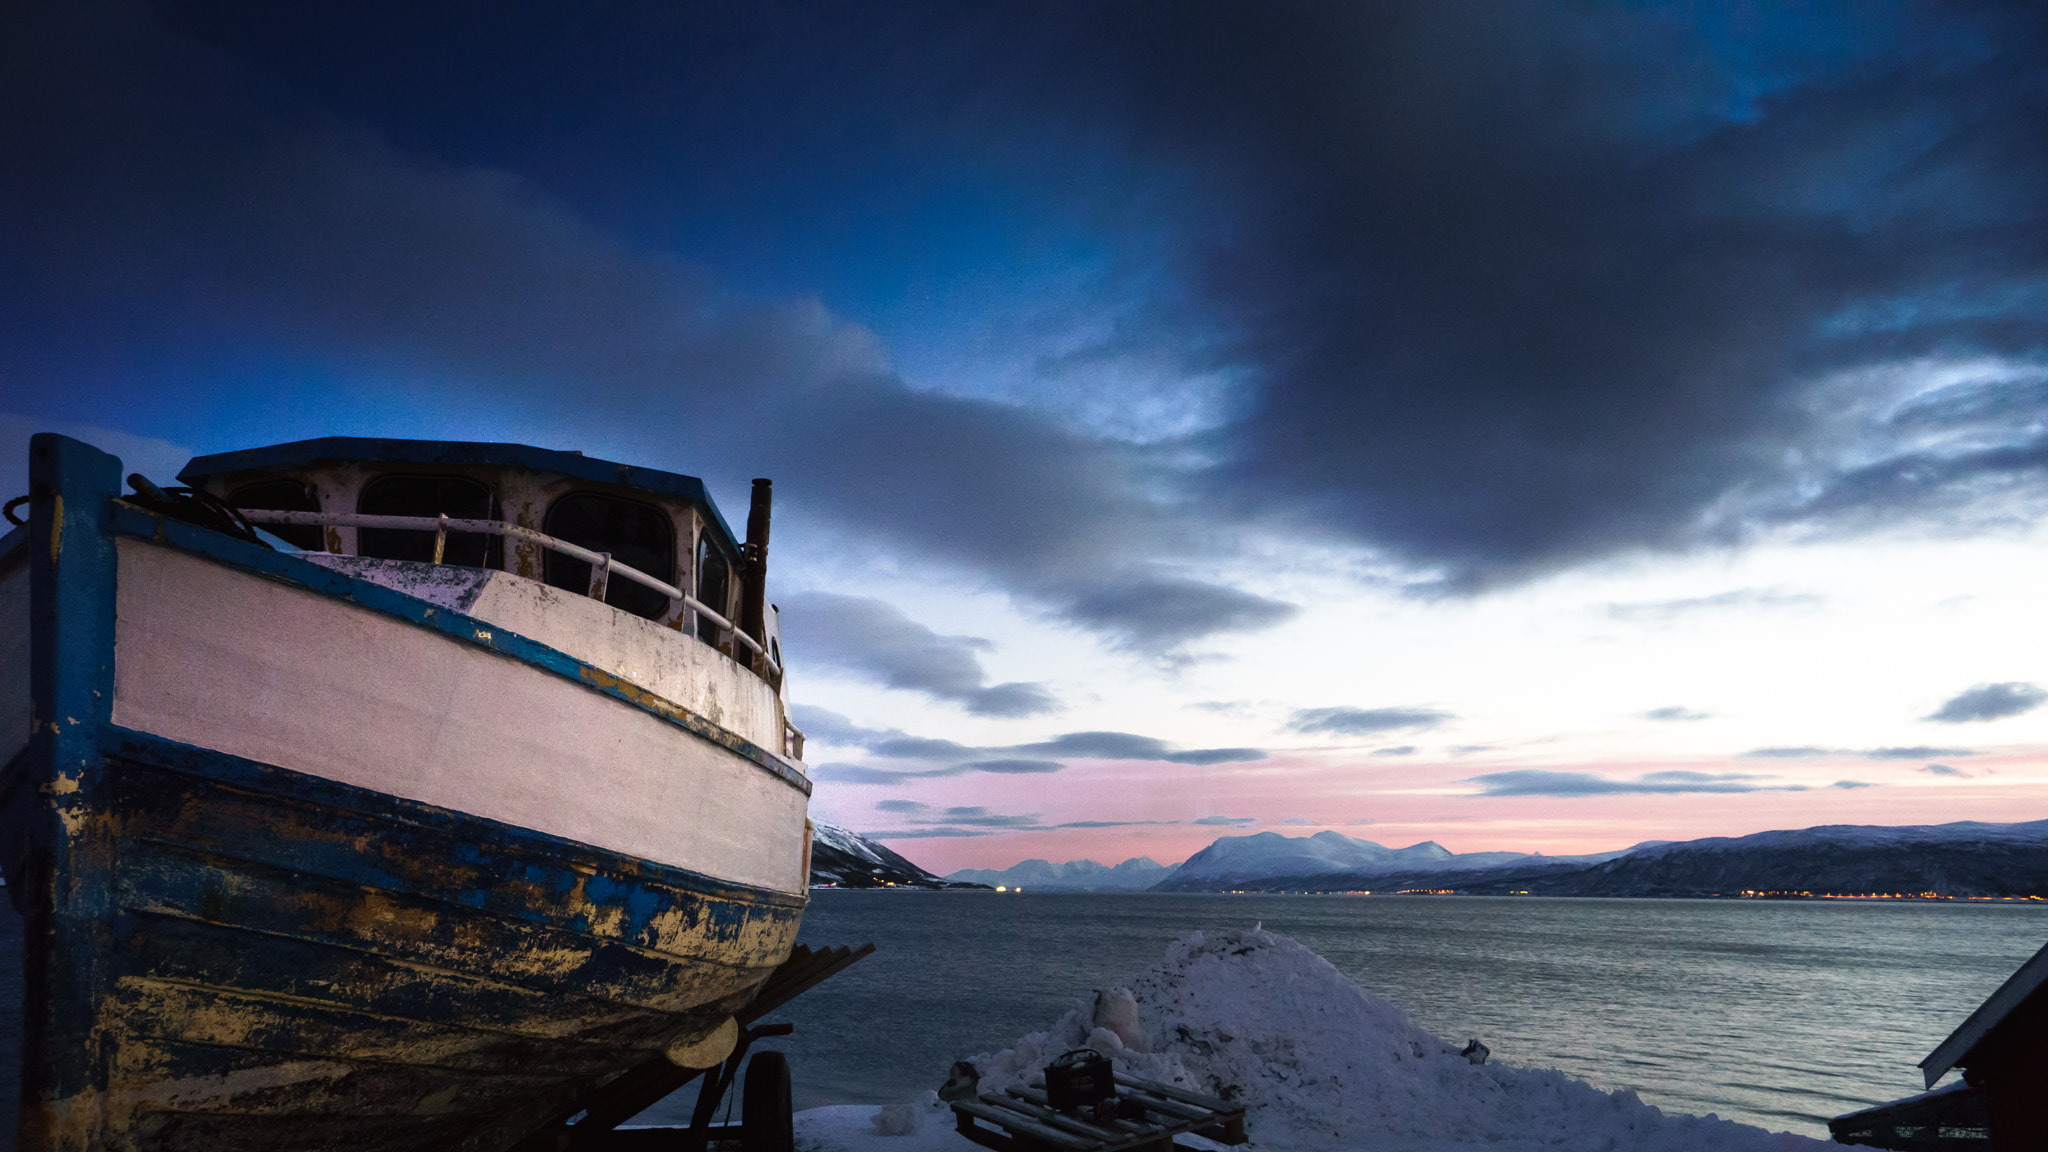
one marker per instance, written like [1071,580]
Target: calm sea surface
[1779,1014]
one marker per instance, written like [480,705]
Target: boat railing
[602,566]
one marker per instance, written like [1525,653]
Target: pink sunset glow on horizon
[1430,801]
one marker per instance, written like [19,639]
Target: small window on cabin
[283,496]
[714,576]
[637,535]
[457,497]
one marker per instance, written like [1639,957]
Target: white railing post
[601,563]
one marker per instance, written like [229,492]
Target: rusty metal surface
[293,966]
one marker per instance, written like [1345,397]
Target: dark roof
[383,451]
[2019,988]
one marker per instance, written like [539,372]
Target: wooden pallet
[1026,1122]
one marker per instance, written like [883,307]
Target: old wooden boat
[413,837]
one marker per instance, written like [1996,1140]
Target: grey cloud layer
[827,727]
[156,191]
[1507,287]
[1347,721]
[1539,782]
[927,822]
[1990,702]
[876,639]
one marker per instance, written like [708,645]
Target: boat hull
[224,951]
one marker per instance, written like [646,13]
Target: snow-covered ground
[1320,1063]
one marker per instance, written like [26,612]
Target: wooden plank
[1044,1101]
[1017,1123]
[1070,1123]
[1170,1107]
[1181,1110]
[1212,1103]
[997,1139]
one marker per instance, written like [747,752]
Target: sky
[1539,427]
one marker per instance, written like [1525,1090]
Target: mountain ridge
[845,859]
[1968,859]
[1133,875]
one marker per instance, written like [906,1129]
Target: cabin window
[457,497]
[637,535]
[714,577]
[283,496]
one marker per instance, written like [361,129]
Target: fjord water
[1774,1013]
[1780,1014]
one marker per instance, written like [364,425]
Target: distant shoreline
[1762,896]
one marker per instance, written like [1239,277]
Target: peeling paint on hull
[228,954]
[297,957]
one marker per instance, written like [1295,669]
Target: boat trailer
[766,1114]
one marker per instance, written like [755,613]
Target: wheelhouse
[645,542]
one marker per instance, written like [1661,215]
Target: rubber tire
[767,1119]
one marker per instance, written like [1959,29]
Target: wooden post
[754,571]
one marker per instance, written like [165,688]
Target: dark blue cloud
[1013,767]
[1347,721]
[830,728]
[875,639]
[1540,782]
[1126,746]
[1493,289]
[839,773]
[1989,702]
[979,821]
[1916,752]
[1227,821]
[1152,614]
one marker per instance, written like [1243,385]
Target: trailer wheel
[767,1119]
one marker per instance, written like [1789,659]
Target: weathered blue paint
[461,452]
[130,520]
[316,964]
[56,794]
[472,841]
[265,918]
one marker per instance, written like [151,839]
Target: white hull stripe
[129,520]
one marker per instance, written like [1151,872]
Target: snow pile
[1319,1063]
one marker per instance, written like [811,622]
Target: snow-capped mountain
[1133,875]
[851,860]
[1967,858]
[1269,859]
